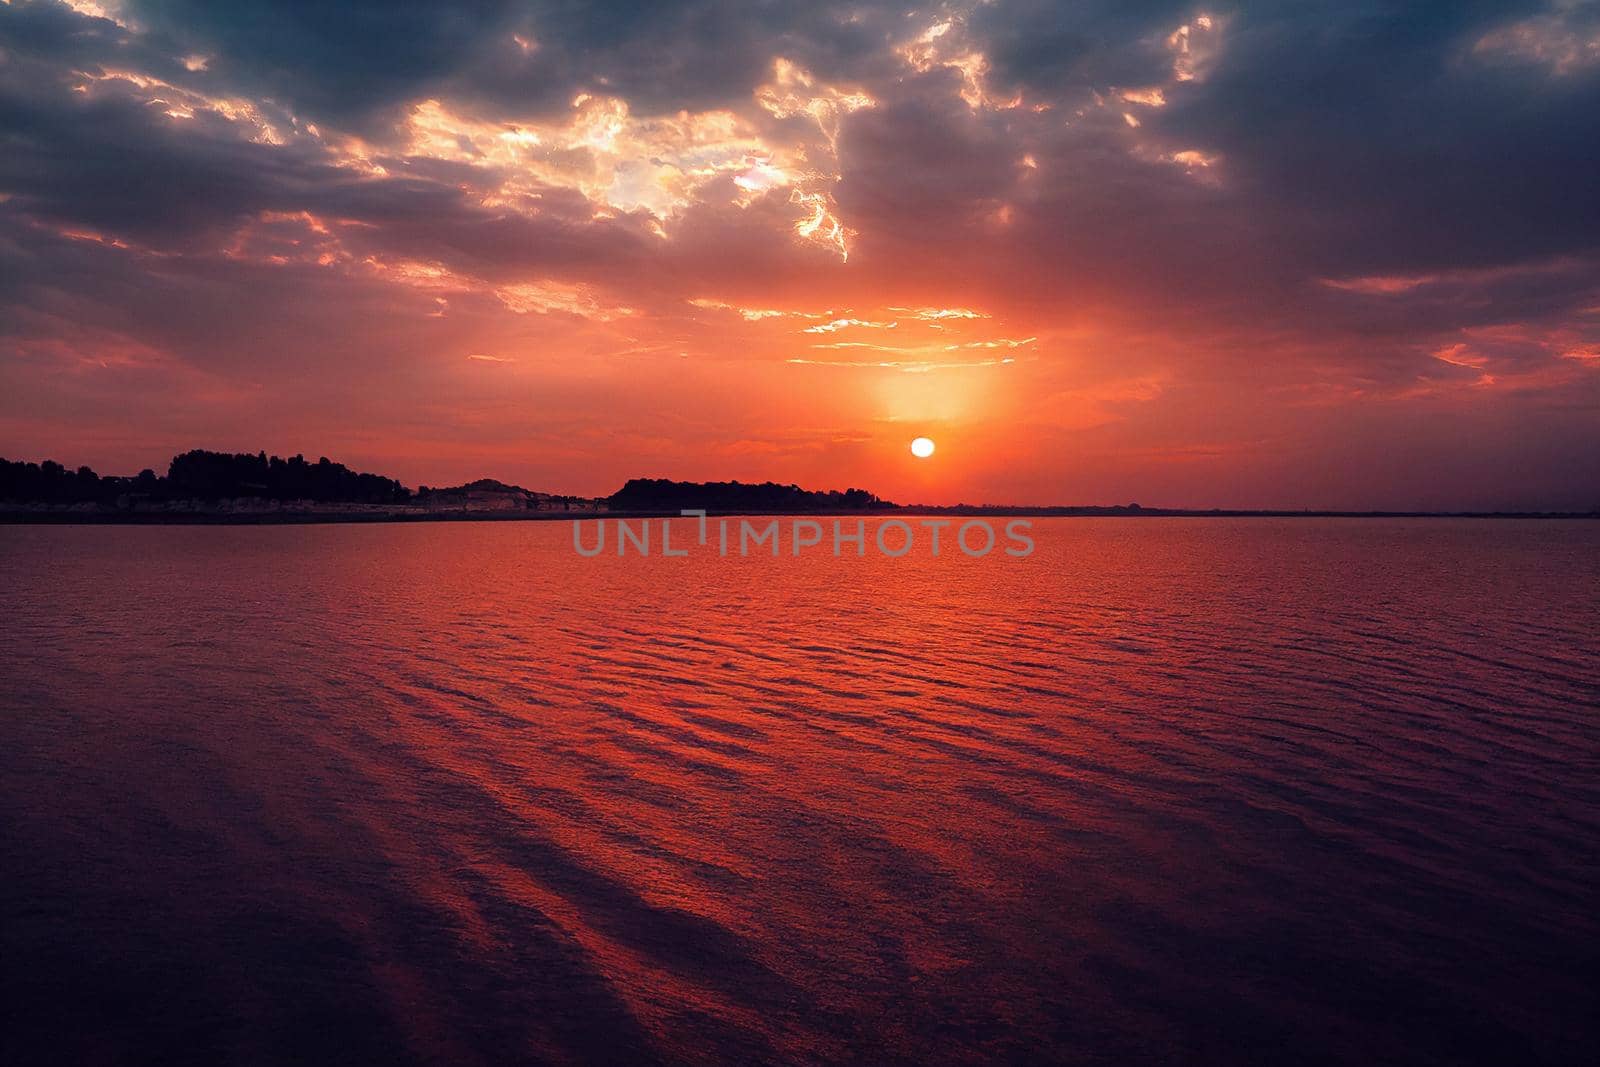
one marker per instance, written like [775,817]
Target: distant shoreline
[71,517]
[204,488]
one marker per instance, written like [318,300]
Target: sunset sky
[1340,254]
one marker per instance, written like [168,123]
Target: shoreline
[327,518]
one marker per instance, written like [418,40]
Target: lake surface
[1167,791]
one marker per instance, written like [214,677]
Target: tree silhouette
[662,494]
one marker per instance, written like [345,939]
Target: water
[1183,791]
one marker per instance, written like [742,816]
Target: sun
[922,447]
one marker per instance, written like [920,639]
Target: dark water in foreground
[1171,791]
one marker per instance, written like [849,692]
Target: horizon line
[1131,509]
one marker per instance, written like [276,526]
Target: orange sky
[1192,256]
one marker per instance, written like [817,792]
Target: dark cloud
[355,63]
[1049,48]
[1377,139]
[925,164]
[340,61]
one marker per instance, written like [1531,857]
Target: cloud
[241,210]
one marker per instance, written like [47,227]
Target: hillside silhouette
[662,494]
[201,482]
[204,486]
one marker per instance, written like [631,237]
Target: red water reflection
[1196,789]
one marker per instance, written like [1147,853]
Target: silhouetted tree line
[662,494]
[201,475]
[51,483]
[209,475]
